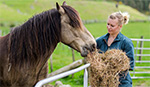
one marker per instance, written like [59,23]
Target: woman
[114,39]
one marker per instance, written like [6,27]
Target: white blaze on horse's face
[79,39]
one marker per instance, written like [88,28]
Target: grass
[132,30]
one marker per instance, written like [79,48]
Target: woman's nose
[108,26]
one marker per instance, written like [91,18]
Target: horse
[25,50]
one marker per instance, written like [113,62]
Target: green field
[16,12]
[21,10]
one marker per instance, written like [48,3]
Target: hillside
[21,10]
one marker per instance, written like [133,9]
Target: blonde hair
[123,18]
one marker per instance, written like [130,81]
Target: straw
[106,67]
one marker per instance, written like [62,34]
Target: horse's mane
[34,38]
[30,42]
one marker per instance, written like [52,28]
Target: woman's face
[113,27]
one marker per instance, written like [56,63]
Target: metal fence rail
[142,54]
[133,39]
[142,48]
[142,67]
[136,55]
[53,78]
[140,72]
[142,61]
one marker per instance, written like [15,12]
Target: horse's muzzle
[86,49]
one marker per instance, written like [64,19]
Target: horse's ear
[60,9]
[64,3]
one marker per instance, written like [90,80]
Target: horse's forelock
[75,20]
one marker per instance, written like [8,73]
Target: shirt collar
[118,38]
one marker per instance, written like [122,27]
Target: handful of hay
[105,67]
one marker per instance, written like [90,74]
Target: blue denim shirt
[123,43]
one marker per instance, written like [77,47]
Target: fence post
[73,59]
[73,55]
[85,77]
[0,33]
[141,50]
[51,63]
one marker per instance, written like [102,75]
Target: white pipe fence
[85,77]
[140,39]
[145,61]
[53,78]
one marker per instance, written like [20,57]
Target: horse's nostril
[90,48]
[93,47]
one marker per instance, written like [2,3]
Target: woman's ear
[120,26]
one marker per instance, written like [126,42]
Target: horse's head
[73,32]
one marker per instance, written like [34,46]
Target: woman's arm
[129,49]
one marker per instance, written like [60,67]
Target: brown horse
[25,50]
